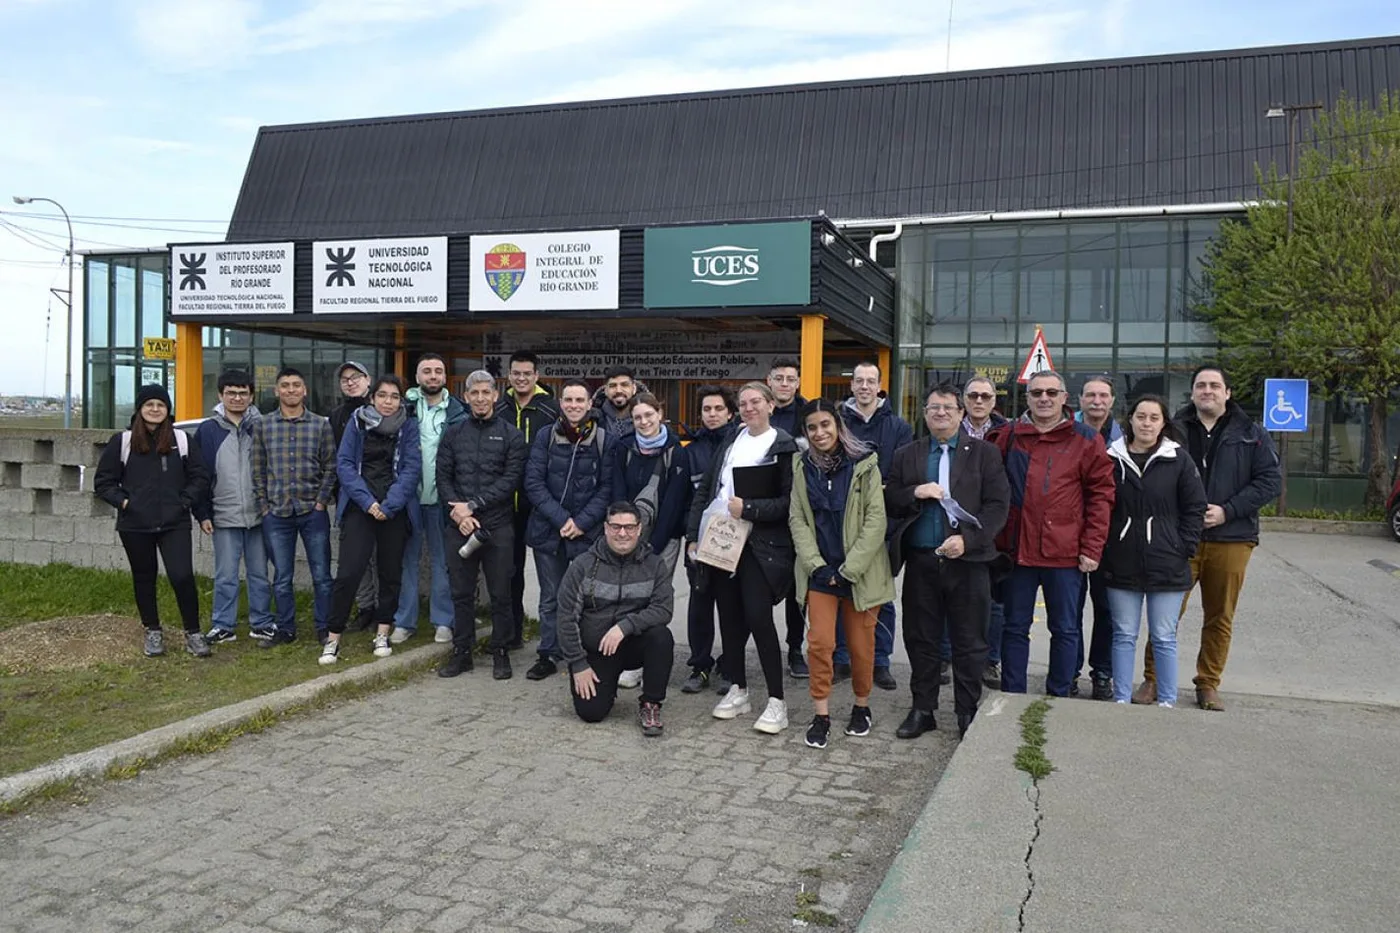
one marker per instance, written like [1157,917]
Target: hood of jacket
[1115,431]
[1123,458]
[603,406]
[881,412]
[249,416]
[1235,413]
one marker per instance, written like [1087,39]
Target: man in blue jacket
[1096,410]
[871,418]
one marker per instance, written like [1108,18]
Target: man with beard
[613,400]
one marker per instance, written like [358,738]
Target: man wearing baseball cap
[354,386]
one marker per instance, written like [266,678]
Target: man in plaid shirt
[293,479]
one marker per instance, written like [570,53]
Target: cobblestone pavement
[471,804]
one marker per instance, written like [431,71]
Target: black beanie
[155,392]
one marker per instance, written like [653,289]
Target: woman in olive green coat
[837,520]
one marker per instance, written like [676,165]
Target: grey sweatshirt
[233,468]
[601,589]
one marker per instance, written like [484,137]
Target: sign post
[1285,411]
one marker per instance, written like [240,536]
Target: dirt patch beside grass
[71,643]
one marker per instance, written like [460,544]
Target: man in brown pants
[1240,469]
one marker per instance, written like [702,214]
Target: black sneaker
[278,638]
[460,661]
[818,731]
[840,672]
[500,665]
[860,721]
[541,669]
[884,679]
[1103,687]
[261,634]
[991,676]
[797,665]
[217,636]
[649,714]
[696,682]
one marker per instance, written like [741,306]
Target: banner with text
[590,365]
[371,276]
[728,265]
[231,278]
[575,271]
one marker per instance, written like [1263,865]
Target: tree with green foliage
[1324,302]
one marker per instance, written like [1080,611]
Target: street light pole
[68,354]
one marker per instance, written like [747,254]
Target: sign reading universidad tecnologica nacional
[366,276]
[574,271]
[728,265]
[231,278]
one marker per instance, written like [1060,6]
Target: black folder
[757,482]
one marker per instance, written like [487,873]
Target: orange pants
[822,609]
[1219,567]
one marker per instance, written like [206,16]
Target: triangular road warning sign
[1038,360]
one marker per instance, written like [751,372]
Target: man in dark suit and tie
[947,497]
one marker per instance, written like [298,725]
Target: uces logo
[724,265]
[505,269]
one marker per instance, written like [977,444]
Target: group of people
[980,515]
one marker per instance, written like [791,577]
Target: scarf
[830,462]
[372,420]
[652,445]
[574,434]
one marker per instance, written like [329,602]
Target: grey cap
[351,364]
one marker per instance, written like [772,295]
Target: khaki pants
[822,610]
[1219,567]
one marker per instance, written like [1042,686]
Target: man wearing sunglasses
[1062,493]
[982,417]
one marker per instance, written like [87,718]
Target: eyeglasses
[1044,393]
[517,374]
[979,396]
[623,529]
[938,409]
[237,393]
[352,378]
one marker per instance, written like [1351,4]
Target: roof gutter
[1220,207]
[890,237]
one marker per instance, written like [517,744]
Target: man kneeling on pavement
[615,605]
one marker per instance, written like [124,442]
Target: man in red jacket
[1062,493]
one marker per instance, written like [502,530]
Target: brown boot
[1146,693]
[1209,698]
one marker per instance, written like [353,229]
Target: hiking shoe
[400,635]
[330,653]
[991,676]
[442,634]
[797,666]
[649,714]
[884,679]
[1103,687]
[840,671]
[541,669]
[860,721]
[1146,693]
[261,634]
[629,680]
[696,682]
[217,636]
[381,646]
[458,662]
[735,703]
[500,665]
[818,731]
[155,643]
[773,719]
[277,638]
[196,645]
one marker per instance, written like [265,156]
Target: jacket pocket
[1059,537]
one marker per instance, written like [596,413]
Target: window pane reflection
[96,297]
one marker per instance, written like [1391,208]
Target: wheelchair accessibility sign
[1285,405]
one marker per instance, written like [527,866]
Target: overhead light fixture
[1274,112]
[828,238]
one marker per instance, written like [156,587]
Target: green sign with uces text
[727,265]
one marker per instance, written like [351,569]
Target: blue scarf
[651,445]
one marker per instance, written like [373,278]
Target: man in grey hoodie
[229,513]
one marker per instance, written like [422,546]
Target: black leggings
[363,536]
[177,553]
[745,603]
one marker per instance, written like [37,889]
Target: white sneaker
[629,680]
[381,646]
[774,718]
[400,635]
[733,704]
[443,634]
[1166,706]
[330,652]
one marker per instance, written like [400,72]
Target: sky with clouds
[139,115]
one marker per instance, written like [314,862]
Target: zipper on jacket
[1049,465]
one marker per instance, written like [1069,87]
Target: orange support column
[813,339]
[189,371]
[400,354]
[883,358]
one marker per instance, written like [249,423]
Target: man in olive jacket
[949,551]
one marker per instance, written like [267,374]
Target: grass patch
[1343,515]
[69,790]
[808,912]
[1030,757]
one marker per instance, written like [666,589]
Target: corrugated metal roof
[1181,129]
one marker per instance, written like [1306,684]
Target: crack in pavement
[1033,795]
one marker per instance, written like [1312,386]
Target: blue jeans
[884,638]
[280,535]
[232,546]
[1061,586]
[550,569]
[1163,610]
[439,590]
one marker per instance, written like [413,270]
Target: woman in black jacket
[1157,520]
[152,474]
[763,578]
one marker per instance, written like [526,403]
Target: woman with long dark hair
[838,530]
[152,475]
[378,465]
[746,598]
[1157,520]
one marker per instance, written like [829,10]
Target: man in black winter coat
[479,463]
[784,377]
[1239,468]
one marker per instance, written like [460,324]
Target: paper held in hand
[723,541]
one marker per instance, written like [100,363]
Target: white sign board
[231,278]
[573,271]
[371,276]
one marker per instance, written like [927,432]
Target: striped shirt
[293,463]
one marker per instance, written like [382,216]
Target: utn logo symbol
[340,267]
[724,265]
[192,271]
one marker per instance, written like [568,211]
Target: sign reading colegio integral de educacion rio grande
[572,271]
[360,276]
[231,278]
[727,265]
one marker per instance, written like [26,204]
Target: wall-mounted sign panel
[231,278]
[403,274]
[728,265]
[575,271]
